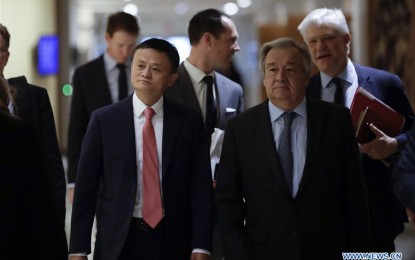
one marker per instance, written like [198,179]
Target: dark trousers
[145,244]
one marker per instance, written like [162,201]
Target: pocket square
[230,110]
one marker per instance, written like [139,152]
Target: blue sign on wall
[48,55]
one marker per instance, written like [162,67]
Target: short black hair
[122,21]
[209,20]
[162,46]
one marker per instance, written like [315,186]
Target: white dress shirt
[112,73]
[349,81]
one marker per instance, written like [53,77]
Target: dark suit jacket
[34,109]
[30,228]
[404,173]
[228,92]
[329,214]
[90,91]
[107,181]
[387,212]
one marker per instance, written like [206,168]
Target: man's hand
[411,216]
[382,147]
[198,256]
[70,193]
[75,257]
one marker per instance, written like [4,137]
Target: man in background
[100,82]
[328,38]
[31,105]
[213,38]
[404,174]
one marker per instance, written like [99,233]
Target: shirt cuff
[199,250]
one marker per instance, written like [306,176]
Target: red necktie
[152,209]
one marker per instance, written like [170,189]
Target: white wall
[26,21]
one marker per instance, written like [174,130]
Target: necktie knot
[208,80]
[121,66]
[149,113]
[288,117]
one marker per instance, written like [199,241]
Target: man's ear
[173,78]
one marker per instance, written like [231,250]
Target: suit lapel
[314,87]
[125,130]
[266,146]
[22,98]
[171,124]
[102,82]
[188,94]
[315,127]
[221,96]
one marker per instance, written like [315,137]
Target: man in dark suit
[30,228]
[111,182]
[213,37]
[97,83]
[404,173]
[328,38]
[291,197]
[32,106]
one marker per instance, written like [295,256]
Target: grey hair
[282,43]
[331,17]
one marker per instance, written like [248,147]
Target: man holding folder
[328,38]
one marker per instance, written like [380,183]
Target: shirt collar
[346,75]
[196,75]
[111,63]
[139,107]
[276,112]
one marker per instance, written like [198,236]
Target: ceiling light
[244,3]
[181,8]
[230,9]
[131,9]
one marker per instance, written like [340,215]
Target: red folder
[366,109]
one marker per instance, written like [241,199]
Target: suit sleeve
[53,156]
[201,189]
[398,100]
[229,199]
[78,123]
[87,183]
[404,173]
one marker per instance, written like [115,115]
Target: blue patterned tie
[284,150]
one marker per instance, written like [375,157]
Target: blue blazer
[404,173]
[106,183]
[387,212]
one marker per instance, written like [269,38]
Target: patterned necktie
[210,120]
[338,94]
[284,150]
[152,210]
[122,82]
